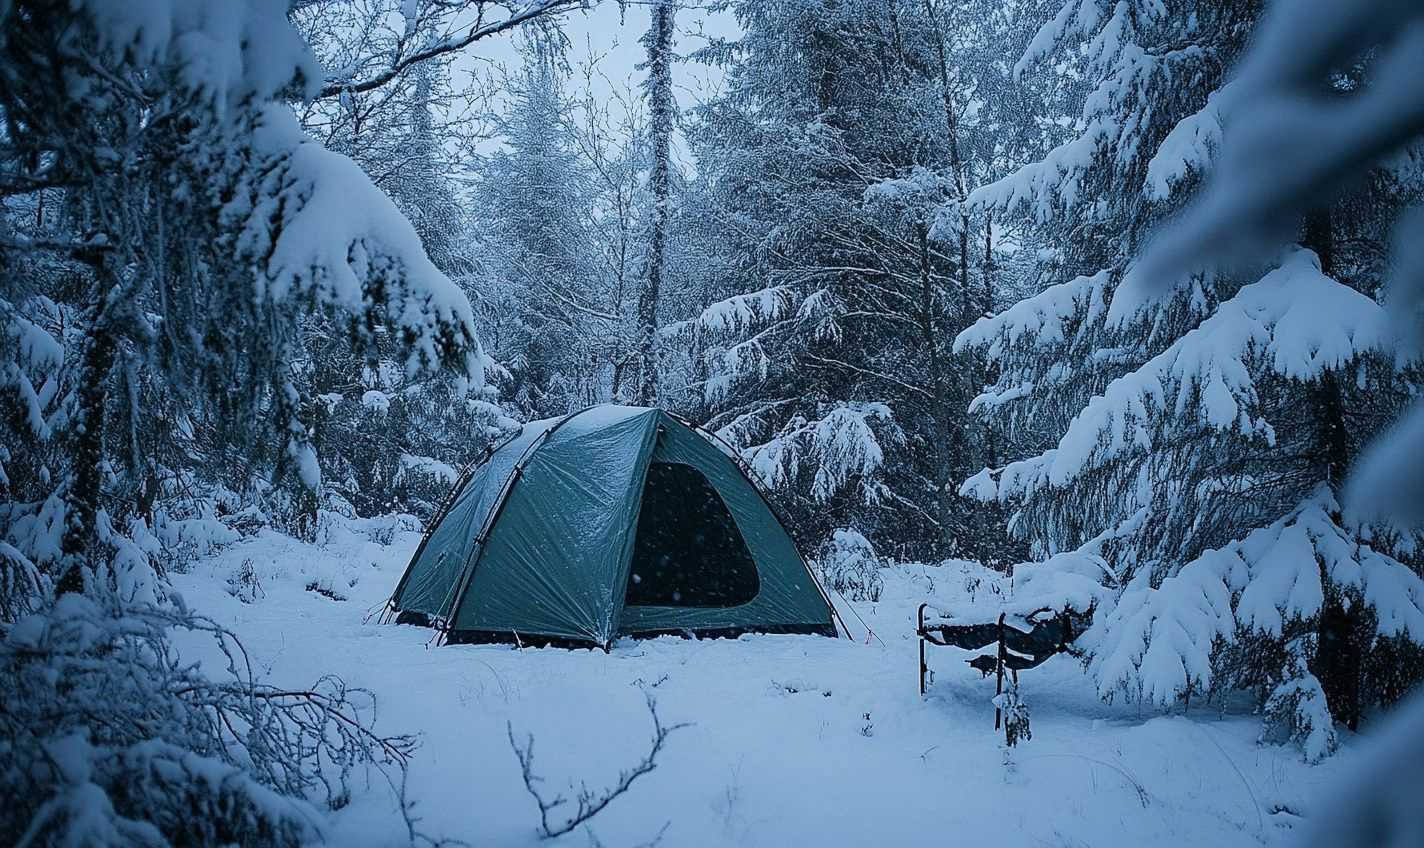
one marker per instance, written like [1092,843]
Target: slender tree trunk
[658,88]
[988,267]
[1339,660]
[940,417]
[1332,441]
[622,338]
[80,543]
[956,166]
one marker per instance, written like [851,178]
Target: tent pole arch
[746,473]
[460,483]
[468,573]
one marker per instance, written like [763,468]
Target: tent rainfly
[614,521]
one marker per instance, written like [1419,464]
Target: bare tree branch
[588,803]
[455,41]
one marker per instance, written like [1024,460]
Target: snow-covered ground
[791,740]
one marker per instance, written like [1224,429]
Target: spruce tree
[1186,454]
[825,169]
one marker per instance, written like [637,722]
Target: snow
[1294,321]
[1299,707]
[130,570]
[793,740]
[226,51]
[991,399]
[914,192]
[428,466]
[1188,148]
[377,401]
[338,236]
[1056,30]
[740,312]
[595,418]
[841,445]
[1156,644]
[981,486]
[1288,581]
[849,566]
[1039,319]
[1057,177]
[30,349]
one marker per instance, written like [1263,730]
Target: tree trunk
[1332,444]
[1339,653]
[956,166]
[940,423]
[658,88]
[988,266]
[80,543]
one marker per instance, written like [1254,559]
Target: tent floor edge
[521,640]
[529,640]
[811,629]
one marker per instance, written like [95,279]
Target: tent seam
[472,562]
[460,483]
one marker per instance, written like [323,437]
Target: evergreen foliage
[1186,452]
[825,166]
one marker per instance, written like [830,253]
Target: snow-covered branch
[405,54]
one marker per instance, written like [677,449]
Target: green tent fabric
[612,521]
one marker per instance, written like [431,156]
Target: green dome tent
[614,521]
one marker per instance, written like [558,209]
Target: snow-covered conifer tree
[1186,456]
[172,243]
[546,320]
[824,170]
[385,439]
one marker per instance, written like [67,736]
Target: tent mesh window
[688,551]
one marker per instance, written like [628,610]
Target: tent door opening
[688,551]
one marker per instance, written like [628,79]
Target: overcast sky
[610,35]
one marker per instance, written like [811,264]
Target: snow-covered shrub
[1296,710]
[109,737]
[244,583]
[850,566]
[1015,715]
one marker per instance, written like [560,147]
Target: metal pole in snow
[999,685]
[920,632]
